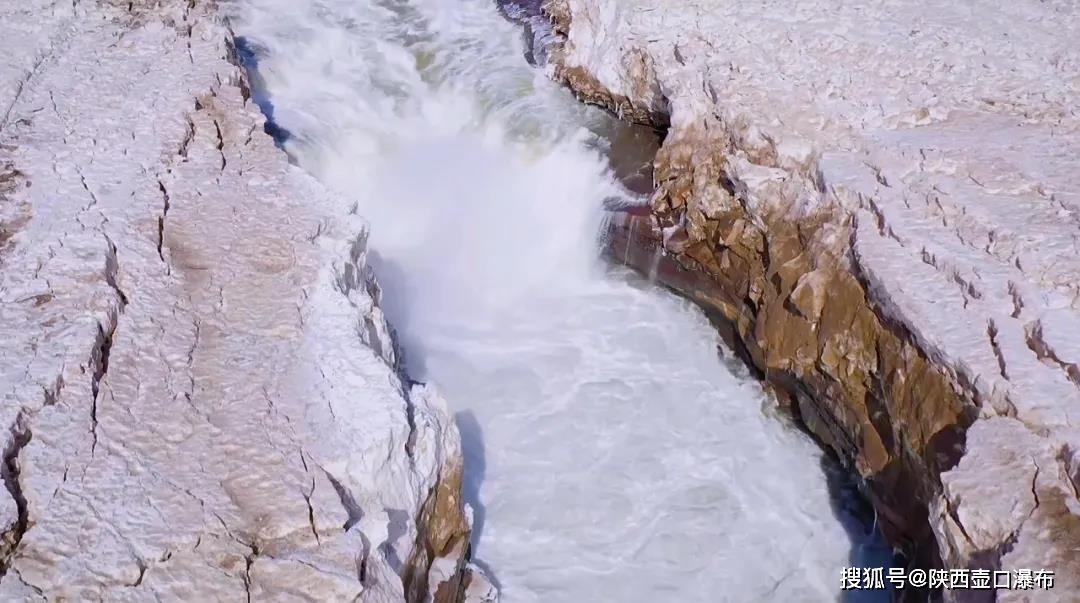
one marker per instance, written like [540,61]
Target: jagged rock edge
[429,547]
[802,399]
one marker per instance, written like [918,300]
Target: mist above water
[612,454]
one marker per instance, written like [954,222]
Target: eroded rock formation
[201,398]
[876,204]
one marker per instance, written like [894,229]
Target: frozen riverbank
[881,201]
[200,396]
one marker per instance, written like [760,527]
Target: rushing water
[612,454]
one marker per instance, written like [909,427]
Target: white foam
[612,454]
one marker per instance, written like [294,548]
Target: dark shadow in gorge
[473,451]
[472,448]
[850,507]
[868,547]
[393,282]
[248,55]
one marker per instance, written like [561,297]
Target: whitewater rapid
[612,454]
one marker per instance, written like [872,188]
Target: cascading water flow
[611,453]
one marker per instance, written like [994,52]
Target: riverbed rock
[878,204]
[201,396]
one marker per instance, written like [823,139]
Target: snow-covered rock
[882,199]
[201,398]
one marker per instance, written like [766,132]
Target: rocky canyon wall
[877,205]
[201,398]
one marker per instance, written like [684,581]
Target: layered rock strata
[878,203]
[201,398]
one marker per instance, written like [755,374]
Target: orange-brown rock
[444,533]
[786,294]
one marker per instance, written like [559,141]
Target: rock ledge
[877,203]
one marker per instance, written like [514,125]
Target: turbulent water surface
[612,454]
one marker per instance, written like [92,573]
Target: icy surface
[951,132]
[199,398]
[613,455]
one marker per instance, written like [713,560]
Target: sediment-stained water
[612,453]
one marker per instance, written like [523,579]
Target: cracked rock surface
[879,201]
[200,394]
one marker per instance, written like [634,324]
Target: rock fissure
[20,436]
[992,334]
[142,573]
[355,514]
[20,86]
[311,511]
[112,270]
[161,220]
[220,144]
[1034,486]
[37,589]
[86,187]
[189,136]
[249,560]
[1045,353]
[99,356]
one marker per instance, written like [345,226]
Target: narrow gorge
[611,452]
